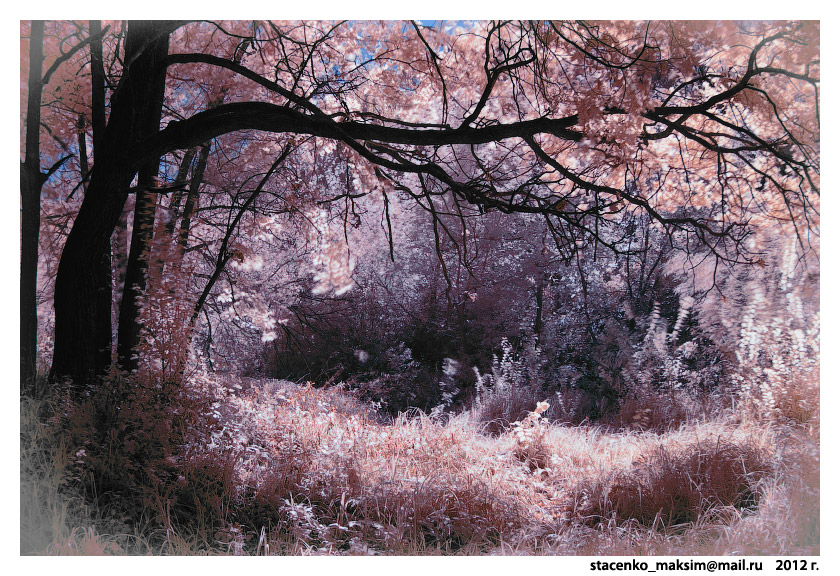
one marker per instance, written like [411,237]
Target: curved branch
[224,256]
[267,117]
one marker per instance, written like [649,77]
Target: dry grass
[667,489]
[54,518]
[313,472]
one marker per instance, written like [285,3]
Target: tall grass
[312,471]
[55,517]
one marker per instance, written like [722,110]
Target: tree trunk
[542,276]
[175,201]
[192,199]
[142,234]
[30,192]
[128,333]
[81,135]
[120,244]
[83,283]
[97,81]
[538,321]
[31,181]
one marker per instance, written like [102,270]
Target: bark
[542,265]
[31,181]
[30,188]
[264,116]
[83,283]
[120,244]
[538,321]
[128,333]
[84,166]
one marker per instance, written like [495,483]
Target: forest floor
[314,471]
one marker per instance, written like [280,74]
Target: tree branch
[267,117]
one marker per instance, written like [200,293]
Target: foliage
[508,393]
[778,355]
[258,137]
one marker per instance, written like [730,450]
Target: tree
[32,180]
[148,106]
[83,284]
[701,126]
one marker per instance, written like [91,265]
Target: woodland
[419,288]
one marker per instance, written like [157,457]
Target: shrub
[669,489]
[405,383]
[55,517]
[507,394]
[766,322]
[530,432]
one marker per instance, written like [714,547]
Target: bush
[507,394]
[55,517]
[405,383]
[666,489]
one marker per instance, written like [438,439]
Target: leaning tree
[702,127]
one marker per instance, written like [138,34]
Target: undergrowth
[209,469]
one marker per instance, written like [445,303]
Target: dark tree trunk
[30,190]
[120,244]
[97,81]
[542,276]
[128,333]
[192,198]
[104,294]
[175,201]
[538,321]
[142,234]
[31,181]
[83,284]
[84,166]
